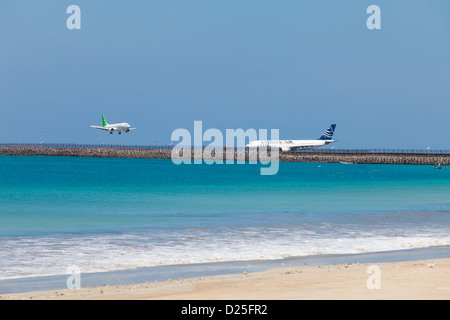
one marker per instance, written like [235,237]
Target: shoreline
[208,280]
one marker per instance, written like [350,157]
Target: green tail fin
[104,121]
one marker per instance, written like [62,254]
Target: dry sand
[425,279]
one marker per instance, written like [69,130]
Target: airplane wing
[302,148]
[98,127]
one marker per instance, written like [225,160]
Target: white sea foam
[38,256]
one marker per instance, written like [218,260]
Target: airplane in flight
[289,145]
[114,127]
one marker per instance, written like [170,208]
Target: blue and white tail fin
[328,135]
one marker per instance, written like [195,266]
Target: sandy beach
[423,279]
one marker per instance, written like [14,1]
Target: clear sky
[292,65]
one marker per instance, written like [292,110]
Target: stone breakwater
[350,157]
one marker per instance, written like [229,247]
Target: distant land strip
[381,156]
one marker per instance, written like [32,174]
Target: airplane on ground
[114,127]
[289,145]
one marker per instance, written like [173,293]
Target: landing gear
[120,132]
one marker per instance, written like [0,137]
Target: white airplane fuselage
[287,145]
[118,127]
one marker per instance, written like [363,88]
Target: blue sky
[291,65]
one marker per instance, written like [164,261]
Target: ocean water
[104,214]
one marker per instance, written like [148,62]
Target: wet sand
[421,279]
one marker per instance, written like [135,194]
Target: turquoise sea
[105,214]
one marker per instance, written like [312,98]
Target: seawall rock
[164,153]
